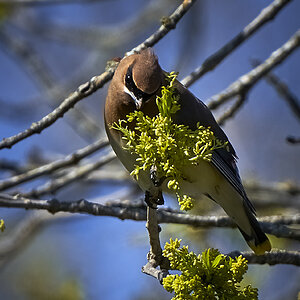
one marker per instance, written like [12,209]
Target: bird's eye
[129,83]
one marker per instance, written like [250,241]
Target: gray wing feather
[193,111]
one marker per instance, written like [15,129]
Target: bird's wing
[193,111]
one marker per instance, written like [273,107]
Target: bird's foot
[153,201]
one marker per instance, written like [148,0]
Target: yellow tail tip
[262,248]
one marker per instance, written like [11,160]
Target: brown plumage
[135,85]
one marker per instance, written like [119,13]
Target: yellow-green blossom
[159,142]
[2,225]
[208,276]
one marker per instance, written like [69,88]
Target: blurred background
[47,49]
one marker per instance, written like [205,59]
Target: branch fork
[154,256]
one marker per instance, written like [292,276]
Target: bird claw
[153,201]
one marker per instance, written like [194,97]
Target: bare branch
[155,257]
[275,225]
[232,110]
[23,233]
[266,15]
[169,23]
[293,140]
[96,82]
[69,160]
[81,121]
[11,166]
[247,81]
[78,173]
[282,90]
[83,91]
[279,194]
[274,257]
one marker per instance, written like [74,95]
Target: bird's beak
[139,103]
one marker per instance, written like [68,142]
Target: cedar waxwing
[135,85]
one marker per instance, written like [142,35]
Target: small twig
[266,15]
[232,110]
[280,194]
[282,90]
[247,81]
[95,83]
[23,233]
[69,160]
[172,20]
[271,258]
[293,140]
[154,256]
[78,173]
[32,61]
[11,166]
[275,225]
[83,91]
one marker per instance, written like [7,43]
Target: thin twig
[23,233]
[271,258]
[279,194]
[282,90]
[293,140]
[83,91]
[154,256]
[81,122]
[96,82]
[247,81]
[69,160]
[78,173]
[275,225]
[266,15]
[168,24]
[232,110]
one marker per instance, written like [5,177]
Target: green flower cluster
[159,142]
[208,276]
[2,225]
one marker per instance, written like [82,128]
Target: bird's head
[141,76]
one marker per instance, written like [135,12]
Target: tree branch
[293,140]
[96,82]
[154,256]
[266,15]
[69,160]
[275,225]
[83,91]
[282,90]
[232,110]
[81,122]
[54,185]
[247,81]
[169,23]
[271,258]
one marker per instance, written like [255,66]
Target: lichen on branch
[162,143]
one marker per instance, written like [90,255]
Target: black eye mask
[129,83]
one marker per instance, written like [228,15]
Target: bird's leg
[153,201]
[154,177]
[155,257]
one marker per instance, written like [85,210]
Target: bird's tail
[242,212]
[257,241]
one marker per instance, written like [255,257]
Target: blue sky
[105,254]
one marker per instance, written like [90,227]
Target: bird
[135,85]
